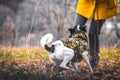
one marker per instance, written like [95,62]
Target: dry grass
[16,54]
[33,64]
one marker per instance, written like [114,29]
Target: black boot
[94,50]
[94,61]
[94,33]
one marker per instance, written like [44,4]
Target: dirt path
[41,70]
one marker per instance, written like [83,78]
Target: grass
[33,64]
[18,54]
[37,53]
[111,56]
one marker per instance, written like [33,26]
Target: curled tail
[46,39]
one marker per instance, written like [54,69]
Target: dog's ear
[71,30]
[83,28]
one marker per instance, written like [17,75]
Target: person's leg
[79,20]
[94,33]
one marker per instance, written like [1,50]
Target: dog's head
[77,28]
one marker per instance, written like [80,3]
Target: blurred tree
[56,17]
[8,32]
[8,10]
[12,4]
[116,20]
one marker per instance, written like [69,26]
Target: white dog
[68,50]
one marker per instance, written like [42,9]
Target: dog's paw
[64,67]
[76,71]
[72,69]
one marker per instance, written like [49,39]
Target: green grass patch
[16,54]
[36,53]
[111,56]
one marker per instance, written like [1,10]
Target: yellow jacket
[102,9]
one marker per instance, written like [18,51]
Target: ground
[40,69]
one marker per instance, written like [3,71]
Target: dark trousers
[94,33]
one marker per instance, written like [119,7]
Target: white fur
[63,54]
[85,57]
[46,39]
[78,27]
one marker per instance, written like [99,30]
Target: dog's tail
[46,39]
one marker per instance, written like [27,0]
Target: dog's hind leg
[57,63]
[85,57]
[75,68]
[67,56]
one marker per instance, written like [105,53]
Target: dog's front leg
[85,57]
[67,56]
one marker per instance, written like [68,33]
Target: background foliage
[26,21]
